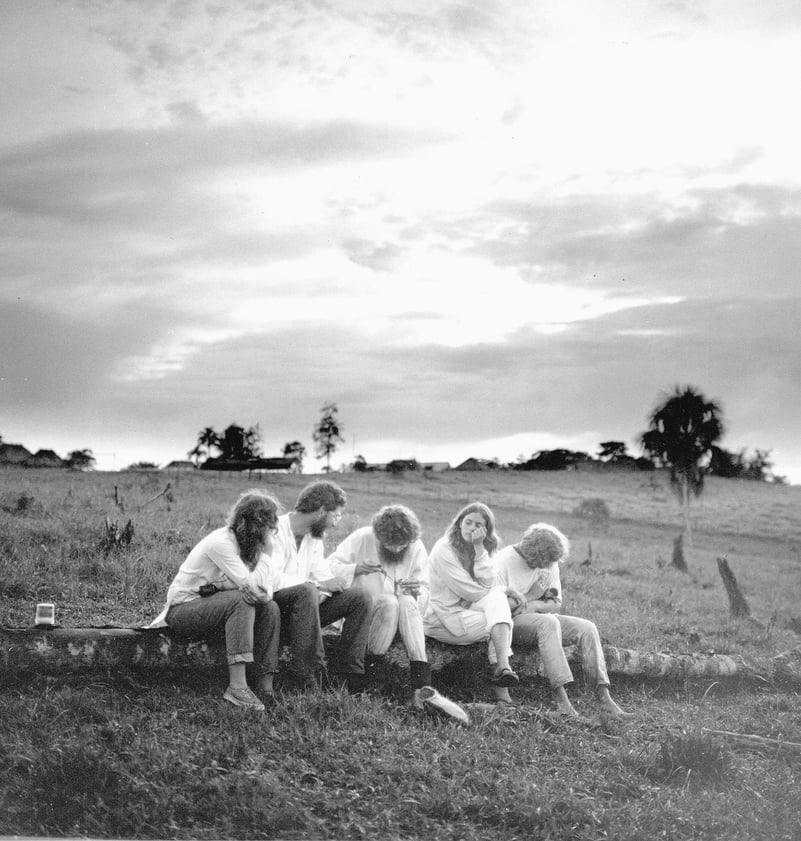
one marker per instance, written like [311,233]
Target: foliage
[296,450]
[739,465]
[206,439]
[81,459]
[327,434]
[595,511]
[612,451]
[559,459]
[682,430]
[235,444]
[359,464]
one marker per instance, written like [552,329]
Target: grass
[160,755]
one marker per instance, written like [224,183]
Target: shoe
[505,677]
[427,698]
[243,698]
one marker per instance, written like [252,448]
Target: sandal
[505,677]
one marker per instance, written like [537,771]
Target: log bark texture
[77,649]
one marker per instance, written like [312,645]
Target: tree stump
[738,606]
[678,554]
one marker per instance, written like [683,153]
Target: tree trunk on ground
[738,606]
[678,554]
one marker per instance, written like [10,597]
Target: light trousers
[550,632]
[393,615]
[476,620]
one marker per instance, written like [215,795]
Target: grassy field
[149,755]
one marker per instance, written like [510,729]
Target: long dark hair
[463,549]
[252,514]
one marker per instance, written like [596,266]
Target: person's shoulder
[505,555]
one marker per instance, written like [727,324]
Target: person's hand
[477,537]
[517,602]
[253,595]
[366,568]
[332,585]
[410,587]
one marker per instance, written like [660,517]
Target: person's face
[325,520]
[470,523]
[391,554]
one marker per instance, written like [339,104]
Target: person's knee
[408,605]
[385,606]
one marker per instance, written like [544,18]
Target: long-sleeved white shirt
[298,564]
[512,571]
[216,560]
[361,546]
[453,589]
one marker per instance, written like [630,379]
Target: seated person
[466,604]
[388,560]
[226,584]
[299,557]
[530,571]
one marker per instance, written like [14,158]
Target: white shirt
[216,560]
[361,546]
[512,571]
[297,564]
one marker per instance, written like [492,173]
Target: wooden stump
[678,554]
[738,606]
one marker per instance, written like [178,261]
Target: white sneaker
[427,698]
[243,698]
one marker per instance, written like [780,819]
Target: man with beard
[388,560]
[299,557]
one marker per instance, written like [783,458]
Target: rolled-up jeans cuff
[239,658]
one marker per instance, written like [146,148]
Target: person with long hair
[226,585]
[466,605]
[530,570]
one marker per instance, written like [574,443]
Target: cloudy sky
[481,228]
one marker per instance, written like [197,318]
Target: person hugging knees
[226,585]
[529,570]
[388,560]
[467,604]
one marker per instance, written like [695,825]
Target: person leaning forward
[306,577]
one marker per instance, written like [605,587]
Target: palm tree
[206,439]
[683,428]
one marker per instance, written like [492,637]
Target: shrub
[595,511]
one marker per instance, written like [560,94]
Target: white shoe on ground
[427,698]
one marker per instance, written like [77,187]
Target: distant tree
[559,459]
[758,467]
[81,459]
[726,464]
[296,450]
[142,465]
[359,464]
[612,451]
[682,430]
[206,439]
[327,434]
[240,444]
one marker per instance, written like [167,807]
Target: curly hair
[253,513]
[320,495]
[396,525]
[465,550]
[543,545]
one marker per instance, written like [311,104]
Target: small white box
[46,614]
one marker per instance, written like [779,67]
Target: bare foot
[566,708]
[501,695]
[610,709]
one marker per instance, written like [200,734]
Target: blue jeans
[252,632]
[355,606]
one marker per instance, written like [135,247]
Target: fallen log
[761,744]
[77,649]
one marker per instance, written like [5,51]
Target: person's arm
[355,556]
[444,558]
[257,583]
[321,573]
[550,600]
[417,581]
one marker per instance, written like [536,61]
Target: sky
[481,229]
